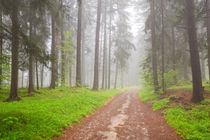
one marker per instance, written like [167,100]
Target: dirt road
[123,118]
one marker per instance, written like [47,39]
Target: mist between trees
[103,44]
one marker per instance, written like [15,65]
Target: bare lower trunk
[154,50]
[101,53]
[110,44]
[22,79]
[78,64]
[96,65]
[208,33]
[42,76]
[116,75]
[1,48]
[31,76]
[31,57]
[162,48]
[104,78]
[194,54]
[62,44]
[70,77]
[15,47]
[63,60]
[53,56]
[83,68]
[173,52]
[37,76]
[203,71]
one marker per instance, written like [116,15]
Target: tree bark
[194,54]
[96,65]
[22,79]
[37,76]
[53,56]
[162,47]
[208,32]
[1,48]
[203,70]
[31,58]
[110,44]
[104,76]
[83,67]
[78,64]
[154,50]
[174,52]
[70,77]
[15,47]
[62,44]
[116,75]
[42,76]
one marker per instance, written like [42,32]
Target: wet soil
[124,117]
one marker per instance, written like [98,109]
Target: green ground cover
[45,115]
[190,122]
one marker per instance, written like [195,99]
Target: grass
[190,124]
[160,104]
[184,86]
[147,94]
[45,115]
[4,93]
[190,121]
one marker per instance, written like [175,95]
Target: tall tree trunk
[174,52]
[96,65]
[31,57]
[203,70]
[70,77]
[1,48]
[162,47]
[154,50]
[22,79]
[110,44]
[31,75]
[101,50]
[104,78]
[116,74]
[15,47]
[78,65]
[83,68]
[208,32]
[54,56]
[194,54]
[37,76]
[42,76]
[62,44]
[63,59]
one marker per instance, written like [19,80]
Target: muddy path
[123,118]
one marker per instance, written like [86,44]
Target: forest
[105,69]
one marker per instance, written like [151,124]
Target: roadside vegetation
[45,115]
[190,120]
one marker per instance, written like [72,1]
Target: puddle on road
[116,121]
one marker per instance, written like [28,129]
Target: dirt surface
[125,117]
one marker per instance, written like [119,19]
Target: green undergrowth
[159,104]
[181,86]
[193,124]
[147,94]
[190,121]
[45,115]
[4,93]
